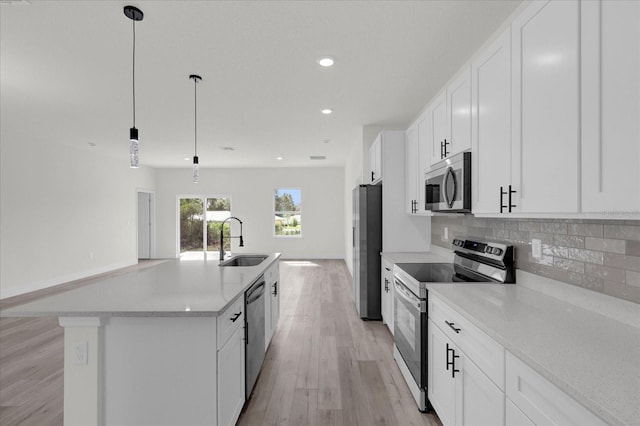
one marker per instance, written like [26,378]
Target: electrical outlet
[536,248]
[445,234]
[81,353]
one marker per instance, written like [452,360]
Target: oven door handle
[420,305]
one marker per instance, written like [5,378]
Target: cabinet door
[611,107]
[479,401]
[491,125]
[441,385]
[546,103]
[438,115]
[375,161]
[424,159]
[411,170]
[515,417]
[275,304]
[268,329]
[459,114]
[231,379]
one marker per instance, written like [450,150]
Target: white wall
[251,192]
[66,212]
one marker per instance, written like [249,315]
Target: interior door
[144,225]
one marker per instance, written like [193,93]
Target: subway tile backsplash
[601,255]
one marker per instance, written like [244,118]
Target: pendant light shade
[196,166]
[134,14]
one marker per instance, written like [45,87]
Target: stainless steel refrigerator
[367,245]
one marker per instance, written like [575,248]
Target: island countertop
[176,287]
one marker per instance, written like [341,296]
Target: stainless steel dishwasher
[254,333]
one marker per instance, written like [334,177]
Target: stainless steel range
[475,260]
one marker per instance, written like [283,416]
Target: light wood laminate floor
[325,366]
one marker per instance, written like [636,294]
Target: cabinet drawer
[485,352]
[540,400]
[230,320]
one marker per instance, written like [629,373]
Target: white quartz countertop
[592,357]
[173,288]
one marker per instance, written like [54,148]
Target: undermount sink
[244,260]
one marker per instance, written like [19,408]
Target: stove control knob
[497,251]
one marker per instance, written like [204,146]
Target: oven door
[410,331]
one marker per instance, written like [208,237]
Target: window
[200,228]
[288,216]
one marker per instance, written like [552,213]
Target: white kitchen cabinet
[610,107]
[417,155]
[546,105]
[459,391]
[491,125]
[450,115]
[466,369]
[541,401]
[375,161]
[231,380]
[400,232]
[411,169]
[386,290]
[272,302]
[514,416]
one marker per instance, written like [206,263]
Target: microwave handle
[449,174]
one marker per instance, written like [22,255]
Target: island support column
[83,368]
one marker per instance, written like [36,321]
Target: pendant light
[196,167]
[134,14]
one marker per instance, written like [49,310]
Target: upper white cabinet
[375,161]
[412,174]
[491,125]
[450,115]
[610,107]
[417,157]
[546,106]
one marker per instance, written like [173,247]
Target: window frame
[274,213]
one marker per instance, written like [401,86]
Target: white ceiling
[66,74]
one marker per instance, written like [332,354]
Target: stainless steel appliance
[254,333]
[367,245]
[475,260]
[448,185]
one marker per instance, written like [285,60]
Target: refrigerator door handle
[353,236]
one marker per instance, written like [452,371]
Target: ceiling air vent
[317,157]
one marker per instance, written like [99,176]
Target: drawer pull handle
[452,325]
[236,316]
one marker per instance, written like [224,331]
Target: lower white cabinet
[386,290]
[540,400]
[271,302]
[231,378]
[459,391]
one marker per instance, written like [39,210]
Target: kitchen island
[162,346]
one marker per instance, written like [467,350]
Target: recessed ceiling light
[279,158]
[327,111]
[326,61]
[187,158]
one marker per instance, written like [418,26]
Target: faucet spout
[222,252]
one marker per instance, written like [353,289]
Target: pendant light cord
[134,73]
[195,115]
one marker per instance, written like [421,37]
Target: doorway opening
[201,219]
[146,224]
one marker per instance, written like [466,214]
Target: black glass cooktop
[432,272]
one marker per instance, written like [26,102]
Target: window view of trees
[288,216]
[192,215]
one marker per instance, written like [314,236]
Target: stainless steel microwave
[448,185]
